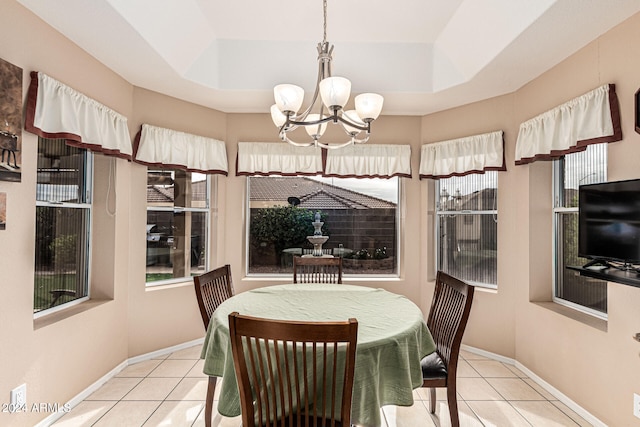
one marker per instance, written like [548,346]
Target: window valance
[156,146]
[588,119]
[463,156]
[276,158]
[57,111]
[369,161]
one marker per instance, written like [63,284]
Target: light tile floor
[170,391]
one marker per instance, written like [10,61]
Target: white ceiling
[422,55]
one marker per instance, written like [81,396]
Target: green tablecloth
[392,339]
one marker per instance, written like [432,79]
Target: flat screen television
[609,221]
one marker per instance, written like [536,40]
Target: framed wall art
[3,211]
[636,102]
[10,121]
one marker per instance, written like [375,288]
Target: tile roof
[159,194]
[164,194]
[312,194]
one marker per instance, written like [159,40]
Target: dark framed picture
[637,110]
[3,211]
[10,121]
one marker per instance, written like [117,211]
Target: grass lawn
[42,297]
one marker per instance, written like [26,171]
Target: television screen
[609,221]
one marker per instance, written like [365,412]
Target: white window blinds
[588,119]
[57,111]
[463,156]
[276,158]
[162,147]
[369,161]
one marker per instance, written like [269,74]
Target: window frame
[353,277]
[558,209]
[466,212]
[88,178]
[174,210]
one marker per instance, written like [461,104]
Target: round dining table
[392,339]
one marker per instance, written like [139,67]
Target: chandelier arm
[333,146]
[309,123]
[361,141]
[298,144]
[355,140]
[315,142]
[332,118]
[288,126]
[366,127]
[316,92]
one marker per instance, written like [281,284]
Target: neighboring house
[312,194]
[162,195]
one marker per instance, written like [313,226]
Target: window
[63,218]
[571,171]
[360,217]
[177,224]
[467,227]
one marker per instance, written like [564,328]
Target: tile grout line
[419,399]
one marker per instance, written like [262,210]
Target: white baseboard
[154,354]
[164,351]
[100,382]
[542,383]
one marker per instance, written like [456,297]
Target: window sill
[486,289]
[50,319]
[576,315]
[172,285]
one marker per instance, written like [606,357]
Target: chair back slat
[212,289]
[293,373]
[448,316]
[317,270]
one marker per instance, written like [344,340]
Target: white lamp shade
[276,115]
[353,117]
[369,106]
[288,97]
[315,131]
[335,91]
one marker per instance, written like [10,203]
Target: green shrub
[284,227]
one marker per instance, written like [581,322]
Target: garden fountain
[317,239]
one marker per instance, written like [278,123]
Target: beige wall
[582,354]
[58,359]
[161,316]
[595,363]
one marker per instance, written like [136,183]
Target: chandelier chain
[324,7]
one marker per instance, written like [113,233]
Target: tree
[64,249]
[283,226]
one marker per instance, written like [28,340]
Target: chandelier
[334,93]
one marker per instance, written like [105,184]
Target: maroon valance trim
[581,145]
[136,146]
[71,139]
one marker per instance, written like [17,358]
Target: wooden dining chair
[447,320]
[293,373]
[212,289]
[317,270]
